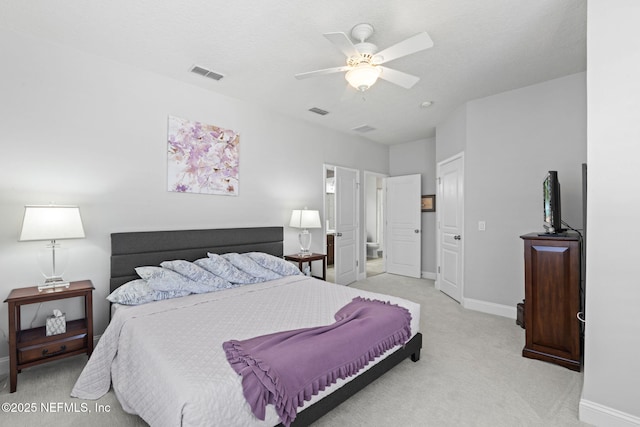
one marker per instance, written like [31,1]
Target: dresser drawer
[50,349]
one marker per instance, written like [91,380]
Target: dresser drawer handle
[45,352]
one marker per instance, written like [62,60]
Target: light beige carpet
[375,266]
[471,373]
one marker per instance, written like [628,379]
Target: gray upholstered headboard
[131,250]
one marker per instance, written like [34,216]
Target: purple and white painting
[202,158]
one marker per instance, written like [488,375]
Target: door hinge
[438,269]
[357,263]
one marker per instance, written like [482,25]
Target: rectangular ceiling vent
[318,111]
[364,128]
[206,73]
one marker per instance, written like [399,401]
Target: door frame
[325,168]
[384,217]
[360,272]
[459,156]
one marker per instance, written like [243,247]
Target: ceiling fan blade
[342,42]
[398,77]
[420,41]
[321,72]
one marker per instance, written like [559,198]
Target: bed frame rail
[317,410]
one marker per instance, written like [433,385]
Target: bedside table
[31,347]
[300,259]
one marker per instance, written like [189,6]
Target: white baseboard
[490,308]
[600,415]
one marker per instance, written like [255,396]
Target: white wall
[611,396]
[513,139]
[412,158]
[451,134]
[510,141]
[79,129]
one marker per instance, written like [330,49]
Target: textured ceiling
[480,48]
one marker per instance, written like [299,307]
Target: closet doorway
[374,216]
[450,217]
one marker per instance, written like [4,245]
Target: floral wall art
[202,158]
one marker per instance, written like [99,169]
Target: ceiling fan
[364,62]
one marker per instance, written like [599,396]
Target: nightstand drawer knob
[45,352]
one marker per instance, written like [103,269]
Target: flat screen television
[552,204]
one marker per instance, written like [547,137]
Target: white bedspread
[166,361]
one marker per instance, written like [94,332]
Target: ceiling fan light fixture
[363,76]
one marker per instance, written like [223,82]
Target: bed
[153,356]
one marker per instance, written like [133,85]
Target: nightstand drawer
[50,349]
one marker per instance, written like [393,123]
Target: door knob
[416,231]
[339,234]
[457,237]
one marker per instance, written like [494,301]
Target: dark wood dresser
[552,299]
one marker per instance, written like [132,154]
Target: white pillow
[275,264]
[219,266]
[197,274]
[163,279]
[138,292]
[251,267]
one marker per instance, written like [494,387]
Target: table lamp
[52,223]
[305,219]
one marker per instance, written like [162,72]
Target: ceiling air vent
[206,73]
[364,128]
[318,111]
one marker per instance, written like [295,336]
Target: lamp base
[304,238]
[53,260]
[53,283]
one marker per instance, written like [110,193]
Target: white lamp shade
[305,219]
[51,222]
[363,76]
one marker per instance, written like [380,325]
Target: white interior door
[345,241]
[404,240]
[450,227]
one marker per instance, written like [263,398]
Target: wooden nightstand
[31,347]
[300,259]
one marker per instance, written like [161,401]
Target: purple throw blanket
[288,368]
